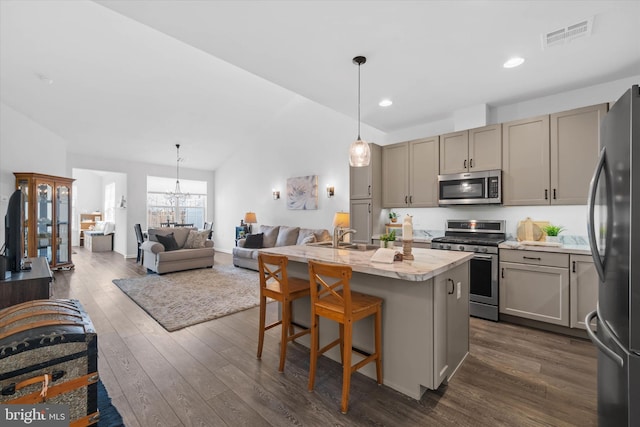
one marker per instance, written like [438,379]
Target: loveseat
[176,249]
[269,236]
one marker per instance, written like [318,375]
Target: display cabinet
[47,213]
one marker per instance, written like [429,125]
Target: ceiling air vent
[566,34]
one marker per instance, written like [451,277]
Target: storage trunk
[54,338]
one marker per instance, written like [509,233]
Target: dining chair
[332,298]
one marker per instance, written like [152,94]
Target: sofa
[245,254]
[176,249]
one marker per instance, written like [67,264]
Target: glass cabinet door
[44,218]
[23,185]
[62,224]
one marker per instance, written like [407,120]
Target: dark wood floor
[208,375]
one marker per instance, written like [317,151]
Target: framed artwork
[302,192]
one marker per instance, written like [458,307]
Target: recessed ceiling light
[513,62]
[385,103]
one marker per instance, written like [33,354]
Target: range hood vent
[568,33]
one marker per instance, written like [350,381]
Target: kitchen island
[425,313]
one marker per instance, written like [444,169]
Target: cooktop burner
[473,232]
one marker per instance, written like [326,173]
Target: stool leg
[346,366]
[284,336]
[341,331]
[378,344]
[263,313]
[314,351]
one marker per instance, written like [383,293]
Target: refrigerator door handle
[606,350]
[593,187]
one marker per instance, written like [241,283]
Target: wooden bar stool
[275,284]
[334,300]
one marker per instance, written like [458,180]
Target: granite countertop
[569,245]
[428,263]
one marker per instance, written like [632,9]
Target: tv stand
[27,285]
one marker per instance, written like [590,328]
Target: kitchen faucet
[339,233]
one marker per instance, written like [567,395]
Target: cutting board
[530,230]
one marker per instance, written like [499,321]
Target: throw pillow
[196,239]
[254,241]
[287,236]
[270,235]
[309,239]
[168,241]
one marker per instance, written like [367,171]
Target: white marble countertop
[565,248]
[428,263]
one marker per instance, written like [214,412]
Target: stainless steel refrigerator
[614,236]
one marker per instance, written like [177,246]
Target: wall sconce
[123,203]
[276,194]
[331,191]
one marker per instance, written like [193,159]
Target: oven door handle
[484,256]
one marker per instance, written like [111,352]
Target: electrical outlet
[459,286]
[4,198]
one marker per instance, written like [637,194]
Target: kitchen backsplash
[432,220]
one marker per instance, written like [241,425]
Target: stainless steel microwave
[470,188]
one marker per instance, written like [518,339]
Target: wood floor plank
[513,376]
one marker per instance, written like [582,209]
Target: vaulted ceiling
[129,79]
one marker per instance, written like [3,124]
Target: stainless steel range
[481,237]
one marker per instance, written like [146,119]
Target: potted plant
[552,232]
[386,238]
[393,216]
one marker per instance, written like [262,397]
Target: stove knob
[484,250]
[461,247]
[446,247]
[476,249]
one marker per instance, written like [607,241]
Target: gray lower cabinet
[535,285]
[451,321]
[361,220]
[584,289]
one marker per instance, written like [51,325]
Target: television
[13,223]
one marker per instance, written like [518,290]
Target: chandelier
[177,196]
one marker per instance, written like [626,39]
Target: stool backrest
[139,235]
[273,268]
[328,280]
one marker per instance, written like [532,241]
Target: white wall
[307,139]
[25,146]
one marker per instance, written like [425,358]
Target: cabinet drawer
[535,258]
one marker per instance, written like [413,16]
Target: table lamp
[341,219]
[250,218]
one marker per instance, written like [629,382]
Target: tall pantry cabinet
[365,190]
[47,214]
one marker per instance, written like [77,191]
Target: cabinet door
[423,172]
[361,221]
[575,137]
[584,290]
[440,335]
[360,182]
[44,235]
[62,243]
[454,152]
[525,162]
[395,172]
[535,292]
[485,148]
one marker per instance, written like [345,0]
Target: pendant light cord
[359,101]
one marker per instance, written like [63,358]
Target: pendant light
[177,196]
[359,152]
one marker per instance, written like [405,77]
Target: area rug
[109,415]
[178,300]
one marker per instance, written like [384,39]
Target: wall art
[302,192]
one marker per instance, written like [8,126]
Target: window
[161,210]
[110,202]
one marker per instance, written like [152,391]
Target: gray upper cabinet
[410,174]
[471,150]
[525,161]
[575,137]
[550,159]
[365,185]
